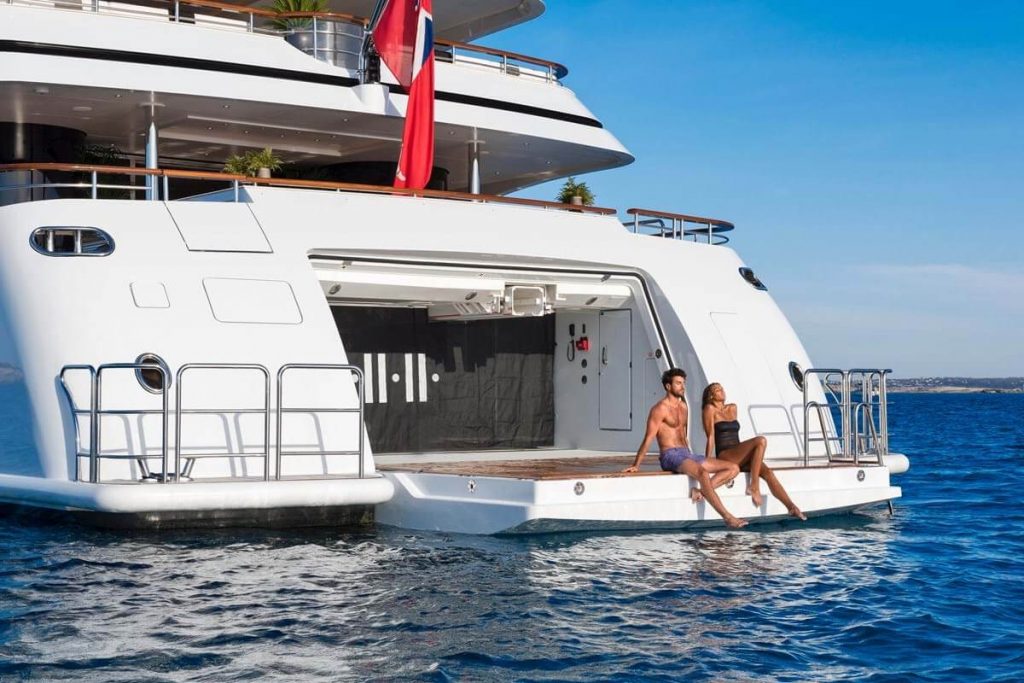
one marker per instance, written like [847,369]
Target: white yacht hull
[475,504]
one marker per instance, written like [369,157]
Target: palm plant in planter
[296,23]
[573,192]
[254,163]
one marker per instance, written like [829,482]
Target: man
[668,422]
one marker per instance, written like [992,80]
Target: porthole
[748,275]
[796,373]
[71,241]
[151,378]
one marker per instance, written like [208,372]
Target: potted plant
[577,193]
[297,30]
[254,163]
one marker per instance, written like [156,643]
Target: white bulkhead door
[615,370]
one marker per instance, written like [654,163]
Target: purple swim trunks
[672,458]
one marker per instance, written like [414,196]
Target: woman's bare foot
[755,496]
[795,512]
[695,495]
[735,522]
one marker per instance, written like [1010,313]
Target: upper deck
[219,78]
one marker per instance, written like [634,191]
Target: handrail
[76,411]
[853,439]
[717,222]
[556,69]
[712,227]
[281,410]
[179,411]
[304,184]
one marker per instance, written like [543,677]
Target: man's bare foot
[695,495]
[755,496]
[735,522]
[795,512]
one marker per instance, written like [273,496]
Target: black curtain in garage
[452,385]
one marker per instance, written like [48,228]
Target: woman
[723,430]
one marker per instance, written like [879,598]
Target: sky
[871,155]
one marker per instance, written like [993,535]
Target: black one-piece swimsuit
[727,435]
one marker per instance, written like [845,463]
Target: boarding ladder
[177,466]
[863,435]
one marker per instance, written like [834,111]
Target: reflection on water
[935,593]
[319,605]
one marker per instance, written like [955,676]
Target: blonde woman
[723,432]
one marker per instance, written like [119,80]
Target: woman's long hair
[707,398]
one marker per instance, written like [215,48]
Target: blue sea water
[935,593]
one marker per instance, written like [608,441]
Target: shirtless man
[668,422]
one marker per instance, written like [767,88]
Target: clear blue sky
[871,155]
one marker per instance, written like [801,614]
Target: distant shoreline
[951,390]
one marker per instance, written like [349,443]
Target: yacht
[183,346]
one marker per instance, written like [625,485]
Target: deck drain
[471,485]
[579,488]
[860,475]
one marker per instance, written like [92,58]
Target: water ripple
[935,593]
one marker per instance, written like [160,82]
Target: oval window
[71,241]
[748,275]
[153,377]
[797,374]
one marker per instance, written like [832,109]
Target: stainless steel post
[95,190]
[165,427]
[152,189]
[167,187]
[473,164]
[845,417]
[97,442]
[883,412]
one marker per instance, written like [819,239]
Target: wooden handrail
[559,70]
[307,184]
[717,222]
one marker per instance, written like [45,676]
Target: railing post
[883,412]
[504,64]
[251,27]
[166,183]
[845,417]
[95,193]
[165,425]
[234,183]
[636,223]
[362,423]
[807,426]
[711,231]
[177,11]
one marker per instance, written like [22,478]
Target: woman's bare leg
[749,452]
[775,486]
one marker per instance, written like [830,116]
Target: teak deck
[548,468]
[593,467]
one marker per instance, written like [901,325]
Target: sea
[934,592]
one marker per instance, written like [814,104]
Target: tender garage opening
[452,385]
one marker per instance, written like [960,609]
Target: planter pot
[263,173]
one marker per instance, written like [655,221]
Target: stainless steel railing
[282,411]
[180,472]
[863,432]
[179,411]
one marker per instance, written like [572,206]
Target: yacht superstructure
[192,347]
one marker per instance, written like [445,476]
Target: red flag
[404,38]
